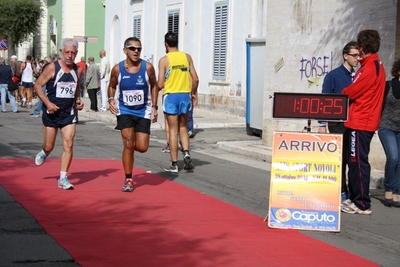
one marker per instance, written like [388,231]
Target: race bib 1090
[133,97]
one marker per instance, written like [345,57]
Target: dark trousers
[93,98]
[190,120]
[339,128]
[359,168]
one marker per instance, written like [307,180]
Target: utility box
[255,62]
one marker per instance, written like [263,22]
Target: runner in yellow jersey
[179,79]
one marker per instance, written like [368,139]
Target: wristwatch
[155,106]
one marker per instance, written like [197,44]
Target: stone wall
[309,36]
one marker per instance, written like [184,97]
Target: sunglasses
[134,48]
[354,55]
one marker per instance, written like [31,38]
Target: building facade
[69,19]
[214,33]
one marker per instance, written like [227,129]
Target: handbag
[12,86]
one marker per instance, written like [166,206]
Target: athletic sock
[63,174]
[128,176]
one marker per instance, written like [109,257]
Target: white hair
[69,42]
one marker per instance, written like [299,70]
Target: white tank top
[27,74]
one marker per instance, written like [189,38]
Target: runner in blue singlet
[136,107]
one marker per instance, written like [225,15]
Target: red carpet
[161,223]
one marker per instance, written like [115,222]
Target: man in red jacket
[366,95]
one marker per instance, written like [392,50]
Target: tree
[18,20]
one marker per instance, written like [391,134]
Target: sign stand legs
[266,217]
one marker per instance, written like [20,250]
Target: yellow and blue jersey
[177,76]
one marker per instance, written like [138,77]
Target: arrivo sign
[3,44]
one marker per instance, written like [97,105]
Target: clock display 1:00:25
[311,106]
[316,105]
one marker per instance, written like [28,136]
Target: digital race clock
[332,107]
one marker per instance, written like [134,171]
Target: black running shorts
[58,119]
[141,125]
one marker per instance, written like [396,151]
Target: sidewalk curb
[253,149]
[109,118]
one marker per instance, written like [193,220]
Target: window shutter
[173,21]
[137,26]
[220,40]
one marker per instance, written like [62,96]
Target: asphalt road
[236,179]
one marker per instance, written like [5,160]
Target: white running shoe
[128,185]
[353,209]
[188,164]
[40,158]
[172,168]
[64,183]
[165,149]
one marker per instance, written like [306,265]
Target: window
[220,40]
[173,21]
[137,26]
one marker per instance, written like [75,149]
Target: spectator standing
[39,104]
[136,107]
[389,135]
[82,64]
[15,66]
[366,95]
[334,83]
[28,72]
[62,80]
[54,57]
[5,78]
[92,83]
[177,75]
[104,78]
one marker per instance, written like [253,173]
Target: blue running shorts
[177,104]
[27,85]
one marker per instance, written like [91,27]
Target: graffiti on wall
[315,66]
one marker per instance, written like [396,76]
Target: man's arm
[89,75]
[112,87]
[193,75]
[43,79]
[78,86]
[102,68]
[78,101]
[97,72]
[162,67]
[107,67]
[361,82]
[154,90]
[21,68]
[34,69]
[328,87]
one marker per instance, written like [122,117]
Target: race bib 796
[65,89]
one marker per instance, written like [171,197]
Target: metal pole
[84,68]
